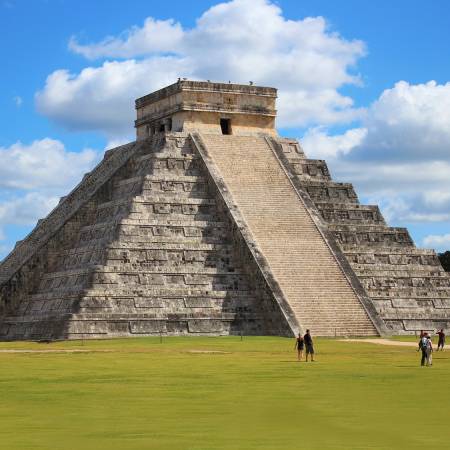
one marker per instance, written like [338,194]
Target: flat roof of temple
[205,86]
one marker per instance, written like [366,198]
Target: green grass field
[221,393]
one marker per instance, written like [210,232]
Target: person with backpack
[423,342]
[299,345]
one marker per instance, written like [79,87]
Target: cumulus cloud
[440,242]
[33,177]
[27,209]
[409,122]
[102,98]
[43,164]
[240,40]
[400,157]
[22,211]
[322,146]
[155,36]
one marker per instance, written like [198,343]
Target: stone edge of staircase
[113,160]
[246,234]
[340,258]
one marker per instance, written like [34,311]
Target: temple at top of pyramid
[223,108]
[211,224]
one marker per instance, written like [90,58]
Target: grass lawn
[221,393]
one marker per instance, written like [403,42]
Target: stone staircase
[299,258]
[406,285]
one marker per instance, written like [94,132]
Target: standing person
[429,351]
[423,347]
[309,345]
[441,341]
[299,345]
[422,334]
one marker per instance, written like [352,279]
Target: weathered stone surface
[188,231]
[407,286]
[150,252]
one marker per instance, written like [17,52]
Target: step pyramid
[211,224]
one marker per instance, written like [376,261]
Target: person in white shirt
[429,351]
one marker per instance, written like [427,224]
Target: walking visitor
[423,342]
[441,340]
[429,351]
[299,345]
[309,345]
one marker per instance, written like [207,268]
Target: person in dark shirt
[299,345]
[423,342]
[309,345]
[441,340]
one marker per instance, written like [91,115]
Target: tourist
[441,341]
[299,345]
[309,345]
[429,351]
[423,347]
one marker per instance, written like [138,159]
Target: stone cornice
[204,86]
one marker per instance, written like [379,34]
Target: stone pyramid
[212,224]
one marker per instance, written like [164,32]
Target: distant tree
[445,260]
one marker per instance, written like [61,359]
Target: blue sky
[362,84]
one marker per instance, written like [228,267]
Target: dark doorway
[225,125]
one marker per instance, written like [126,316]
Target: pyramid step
[274,213]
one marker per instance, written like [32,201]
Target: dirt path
[79,350]
[382,342]
[12,350]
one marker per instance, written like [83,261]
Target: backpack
[423,343]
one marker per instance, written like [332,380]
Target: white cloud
[102,98]
[33,177]
[26,210]
[240,40]
[154,37]
[410,122]
[323,146]
[44,164]
[400,157]
[439,242]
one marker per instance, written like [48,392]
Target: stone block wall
[151,250]
[407,286]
